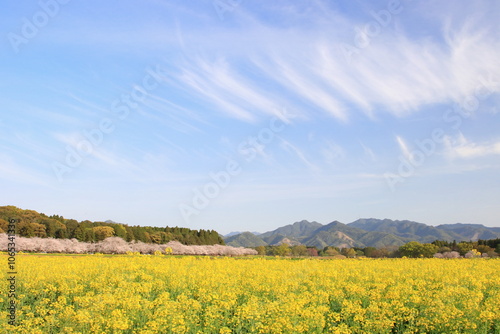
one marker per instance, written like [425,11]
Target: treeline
[329,251]
[33,224]
[481,245]
[413,249]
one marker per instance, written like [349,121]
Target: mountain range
[362,233]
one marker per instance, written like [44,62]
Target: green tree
[428,250]
[299,250]
[39,230]
[139,233]
[464,247]
[25,229]
[61,234]
[79,233]
[52,226]
[411,249]
[331,251]
[71,226]
[282,250]
[120,231]
[103,232]
[416,249]
[348,252]
[4,225]
[444,249]
[89,235]
[156,238]
[29,222]
[369,251]
[130,234]
[484,249]
[261,250]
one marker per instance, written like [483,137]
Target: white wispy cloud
[395,73]
[161,112]
[403,147]
[293,149]
[177,108]
[301,82]
[227,89]
[461,147]
[369,153]
[95,157]
[86,106]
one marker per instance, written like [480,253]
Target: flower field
[168,294]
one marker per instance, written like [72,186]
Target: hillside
[471,231]
[295,231]
[405,229]
[360,233]
[236,233]
[35,224]
[245,238]
[364,233]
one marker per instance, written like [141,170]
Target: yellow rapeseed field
[167,294]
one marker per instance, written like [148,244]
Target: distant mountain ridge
[230,234]
[368,232]
[246,238]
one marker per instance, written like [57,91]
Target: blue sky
[249,115]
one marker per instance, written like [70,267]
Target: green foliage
[299,250]
[330,251]
[33,224]
[348,252]
[484,249]
[79,233]
[120,231]
[103,232]
[26,229]
[368,251]
[464,247]
[3,225]
[444,249]
[39,230]
[261,250]
[282,250]
[416,249]
[360,253]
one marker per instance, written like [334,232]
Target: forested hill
[363,233]
[34,224]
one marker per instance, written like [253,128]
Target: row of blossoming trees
[116,245]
